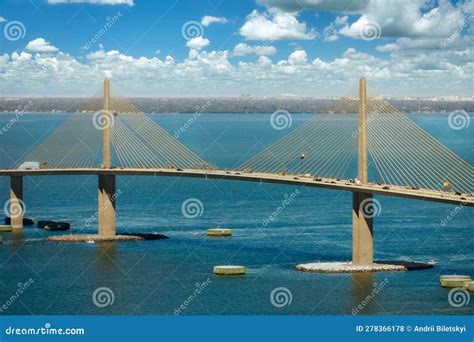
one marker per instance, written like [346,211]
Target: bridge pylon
[362,203]
[106,205]
[107,120]
[16,209]
[107,197]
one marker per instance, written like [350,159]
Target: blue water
[157,277]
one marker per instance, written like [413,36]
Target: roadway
[325,183]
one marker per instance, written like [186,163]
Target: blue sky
[263,47]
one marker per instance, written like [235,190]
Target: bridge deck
[327,183]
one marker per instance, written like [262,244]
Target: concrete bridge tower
[16,208]
[106,202]
[362,203]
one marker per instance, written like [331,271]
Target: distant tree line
[222,105]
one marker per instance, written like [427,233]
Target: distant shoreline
[250,105]
[218,113]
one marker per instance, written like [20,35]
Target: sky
[228,47]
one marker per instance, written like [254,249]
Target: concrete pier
[362,230]
[16,202]
[107,197]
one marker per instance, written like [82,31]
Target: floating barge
[54,225]
[147,236]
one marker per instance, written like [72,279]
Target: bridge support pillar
[362,229]
[106,203]
[16,208]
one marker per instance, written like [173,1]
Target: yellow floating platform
[469,285]
[5,228]
[219,232]
[229,270]
[454,280]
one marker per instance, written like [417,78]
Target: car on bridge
[29,166]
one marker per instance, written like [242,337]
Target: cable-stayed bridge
[330,151]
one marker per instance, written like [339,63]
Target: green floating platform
[454,280]
[229,270]
[219,232]
[5,228]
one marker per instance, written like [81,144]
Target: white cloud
[40,45]
[420,43]
[330,37]
[204,63]
[98,2]
[330,33]
[456,40]
[298,57]
[342,20]
[387,47]
[243,49]
[345,6]
[197,43]
[209,19]
[204,73]
[396,18]
[275,25]
[399,18]
[3,20]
